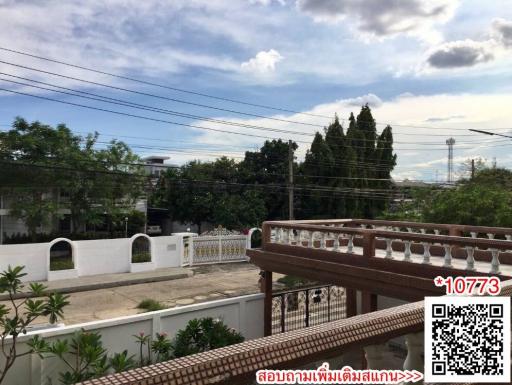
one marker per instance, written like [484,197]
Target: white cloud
[371,99]
[263,63]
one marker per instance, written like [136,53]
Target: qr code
[467,339]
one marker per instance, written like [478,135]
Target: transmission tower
[450,142]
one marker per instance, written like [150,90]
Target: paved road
[208,283]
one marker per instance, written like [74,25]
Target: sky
[432,69]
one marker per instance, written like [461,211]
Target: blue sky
[430,68]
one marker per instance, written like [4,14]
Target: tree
[43,162]
[16,321]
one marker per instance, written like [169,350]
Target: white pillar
[470,259]
[495,262]
[350,245]
[426,253]
[375,356]
[389,248]
[407,251]
[447,256]
[413,361]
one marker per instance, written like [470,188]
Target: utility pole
[290,180]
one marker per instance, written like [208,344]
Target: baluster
[336,245]
[470,259]
[300,235]
[474,234]
[389,248]
[291,236]
[426,253]
[375,356]
[350,245]
[279,234]
[495,262]
[508,237]
[437,231]
[407,251]
[447,256]
[490,235]
[286,236]
[409,229]
[423,231]
[312,239]
[323,241]
[413,361]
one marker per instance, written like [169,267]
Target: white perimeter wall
[245,314]
[102,256]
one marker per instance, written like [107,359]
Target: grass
[141,257]
[61,264]
[292,282]
[151,305]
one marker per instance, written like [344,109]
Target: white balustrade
[495,262]
[375,356]
[437,231]
[389,248]
[426,253]
[508,237]
[407,251]
[447,256]
[490,235]
[409,229]
[474,234]
[423,231]
[470,259]
[312,239]
[291,236]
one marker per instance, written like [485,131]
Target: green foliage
[204,334]
[144,341]
[93,183]
[151,305]
[162,347]
[121,362]
[141,257]
[293,282]
[61,264]
[24,313]
[84,356]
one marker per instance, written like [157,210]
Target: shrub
[151,305]
[292,282]
[204,334]
[61,264]
[141,257]
[24,313]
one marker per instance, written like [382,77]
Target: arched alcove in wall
[254,238]
[141,249]
[61,255]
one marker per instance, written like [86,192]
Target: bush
[141,257]
[151,305]
[204,334]
[292,282]
[61,264]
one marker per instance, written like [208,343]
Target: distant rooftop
[155,159]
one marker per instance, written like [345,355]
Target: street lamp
[126,227]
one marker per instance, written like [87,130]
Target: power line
[202,94]
[159,96]
[165,86]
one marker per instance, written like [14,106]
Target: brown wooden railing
[237,364]
[400,240]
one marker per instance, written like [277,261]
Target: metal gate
[297,309]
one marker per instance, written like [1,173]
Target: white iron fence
[215,249]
